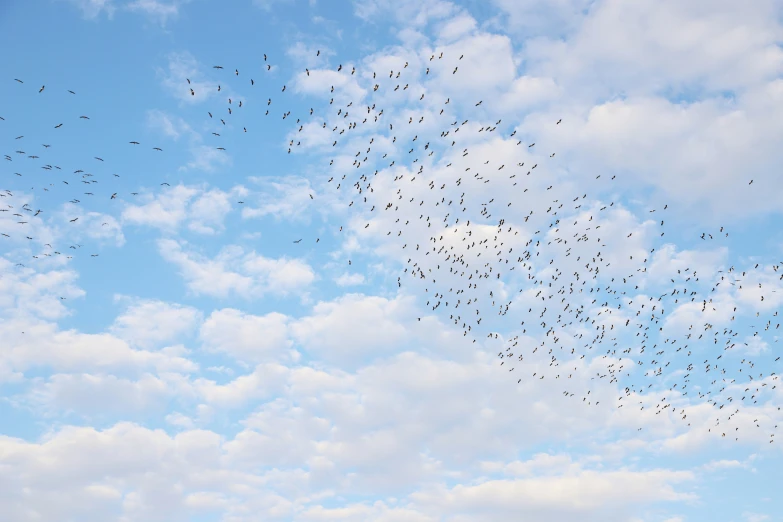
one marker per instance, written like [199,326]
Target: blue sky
[181,358]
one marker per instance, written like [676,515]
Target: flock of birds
[483,228]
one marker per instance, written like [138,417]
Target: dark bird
[74,219]
[134,142]
[41,89]
[157,148]
[58,126]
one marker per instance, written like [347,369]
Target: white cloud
[582,494]
[309,55]
[383,404]
[155,9]
[456,28]
[350,279]
[207,158]
[268,5]
[204,210]
[233,271]
[286,198]
[169,126]
[27,292]
[706,150]
[93,8]
[346,86]
[247,337]
[650,45]
[148,323]
[754,517]
[93,225]
[410,12]
[95,395]
[208,211]
[181,68]
[354,326]
[167,210]
[35,344]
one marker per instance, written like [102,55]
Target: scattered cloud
[236,272]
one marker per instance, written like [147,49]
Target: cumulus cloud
[247,337]
[153,322]
[203,210]
[375,406]
[233,271]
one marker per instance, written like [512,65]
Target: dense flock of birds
[483,227]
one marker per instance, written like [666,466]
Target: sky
[201,326]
